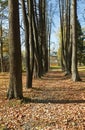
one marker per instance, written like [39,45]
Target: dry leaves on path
[54,103]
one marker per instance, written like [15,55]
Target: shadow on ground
[29,100]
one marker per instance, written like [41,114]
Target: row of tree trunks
[69,38]
[35,39]
[64,8]
[36,42]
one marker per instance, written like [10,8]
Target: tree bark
[15,82]
[1,49]
[75,74]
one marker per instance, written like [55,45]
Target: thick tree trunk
[15,82]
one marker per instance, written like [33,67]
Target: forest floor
[54,103]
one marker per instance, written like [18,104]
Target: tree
[50,15]
[1,46]
[80,46]
[75,74]
[3,5]
[67,48]
[61,10]
[43,36]
[15,82]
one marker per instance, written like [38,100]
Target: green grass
[81,68]
[55,67]
[3,128]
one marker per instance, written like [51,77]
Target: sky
[55,26]
[56,19]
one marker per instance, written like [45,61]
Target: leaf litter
[54,103]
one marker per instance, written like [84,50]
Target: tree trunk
[61,10]
[43,36]
[75,74]
[31,46]
[67,48]
[15,82]
[1,49]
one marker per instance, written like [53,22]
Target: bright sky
[56,25]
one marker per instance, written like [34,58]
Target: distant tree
[80,46]
[15,81]
[50,16]
[1,47]
[3,37]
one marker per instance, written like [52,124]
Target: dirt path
[54,103]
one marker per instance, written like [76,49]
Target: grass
[14,103]
[55,67]
[3,128]
[81,68]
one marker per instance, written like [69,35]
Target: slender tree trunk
[67,41]
[29,41]
[1,49]
[69,56]
[27,45]
[31,45]
[75,74]
[41,37]
[61,9]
